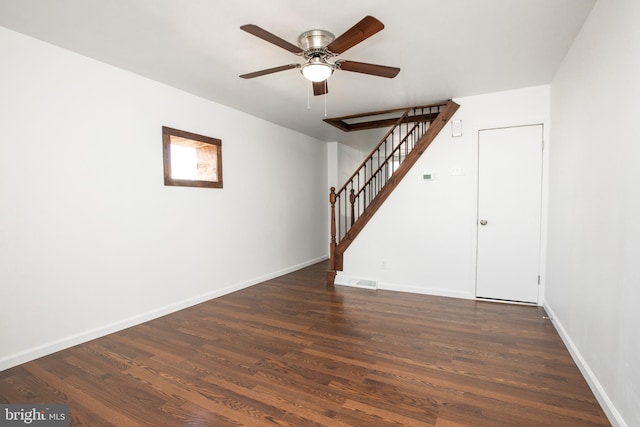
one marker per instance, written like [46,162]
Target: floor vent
[355,283]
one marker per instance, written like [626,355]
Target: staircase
[355,203]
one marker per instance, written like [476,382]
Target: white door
[509,204]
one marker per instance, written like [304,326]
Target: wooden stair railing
[355,203]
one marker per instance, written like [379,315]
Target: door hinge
[538,279]
[542,144]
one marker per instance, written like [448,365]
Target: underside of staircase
[413,129]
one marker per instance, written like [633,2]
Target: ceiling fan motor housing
[315,39]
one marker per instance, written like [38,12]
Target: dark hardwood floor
[293,352]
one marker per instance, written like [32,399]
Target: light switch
[456,128]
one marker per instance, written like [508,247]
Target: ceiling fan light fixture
[316,70]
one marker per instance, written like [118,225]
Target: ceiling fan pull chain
[308,95]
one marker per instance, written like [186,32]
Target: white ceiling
[445,48]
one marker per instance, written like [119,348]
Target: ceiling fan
[318,46]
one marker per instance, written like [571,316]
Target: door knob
[483,222]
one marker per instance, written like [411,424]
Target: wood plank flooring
[293,352]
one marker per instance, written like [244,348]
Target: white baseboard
[61,344]
[357,282]
[599,392]
[440,292]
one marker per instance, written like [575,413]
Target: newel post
[333,244]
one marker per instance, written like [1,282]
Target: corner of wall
[596,387]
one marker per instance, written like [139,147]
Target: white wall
[91,240]
[349,159]
[423,239]
[593,279]
[343,160]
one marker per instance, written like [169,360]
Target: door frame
[543,206]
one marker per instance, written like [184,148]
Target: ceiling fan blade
[364,29]
[373,69]
[271,38]
[320,88]
[269,71]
